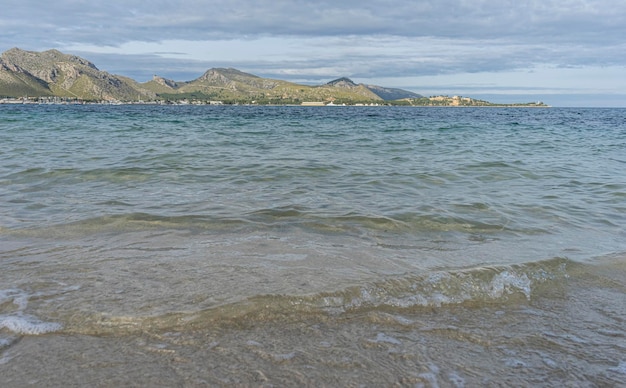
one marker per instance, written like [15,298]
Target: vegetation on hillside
[54,74]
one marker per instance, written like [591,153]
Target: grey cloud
[440,58]
[114,22]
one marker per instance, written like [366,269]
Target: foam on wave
[16,321]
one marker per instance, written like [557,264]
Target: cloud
[116,22]
[316,58]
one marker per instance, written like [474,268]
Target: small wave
[130,222]
[403,222]
[307,218]
[268,218]
[278,213]
[50,177]
[479,219]
[15,302]
[620,368]
[27,325]
[439,289]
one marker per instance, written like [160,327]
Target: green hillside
[54,74]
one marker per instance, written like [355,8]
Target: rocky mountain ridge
[386,94]
[52,73]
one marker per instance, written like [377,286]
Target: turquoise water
[313,245]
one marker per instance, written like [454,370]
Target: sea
[279,246]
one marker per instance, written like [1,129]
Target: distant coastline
[40,101]
[52,77]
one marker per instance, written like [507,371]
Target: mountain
[386,94]
[16,82]
[229,84]
[389,94]
[52,73]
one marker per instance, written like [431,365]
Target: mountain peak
[224,74]
[34,59]
[343,82]
[164,81]
[392,93]
[382,92]
[52,72]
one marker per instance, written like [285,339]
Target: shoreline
[21,101]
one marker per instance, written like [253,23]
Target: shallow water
[192,246]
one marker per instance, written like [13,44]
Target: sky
[561,52]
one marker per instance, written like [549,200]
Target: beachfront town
[434,101]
